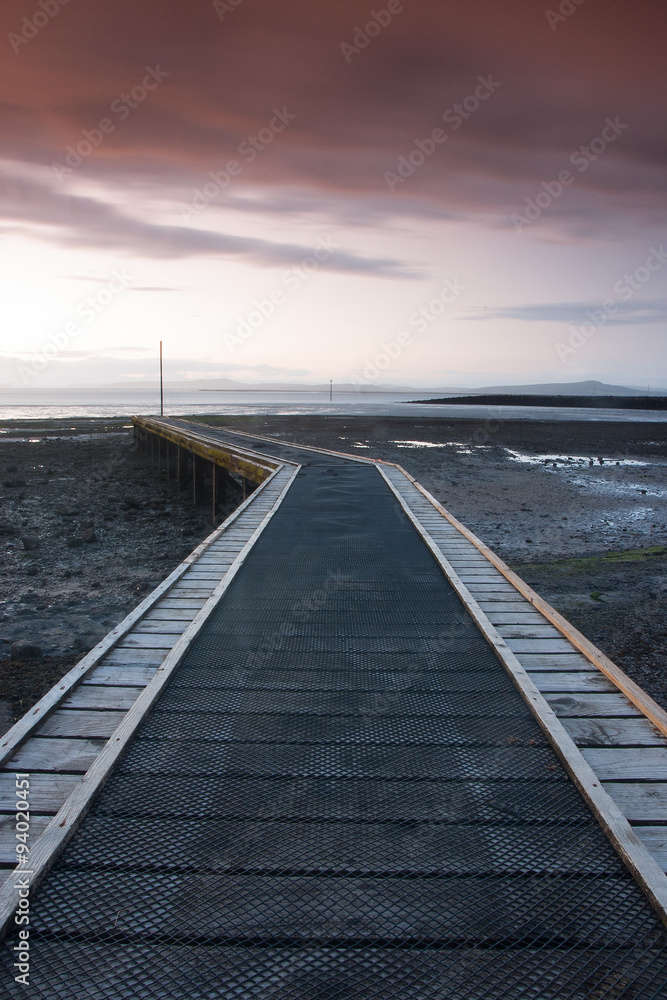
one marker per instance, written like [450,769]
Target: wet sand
[563,526]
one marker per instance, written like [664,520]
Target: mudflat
[579,509]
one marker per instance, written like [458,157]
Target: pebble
[89,535]
[30,542]
[74,542]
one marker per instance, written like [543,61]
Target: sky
[416,192]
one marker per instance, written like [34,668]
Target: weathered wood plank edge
[21,729]
[199,437]
[632,850]
[630,689]
[71,814]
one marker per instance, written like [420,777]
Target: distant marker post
[161,385]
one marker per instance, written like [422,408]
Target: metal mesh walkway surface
[341,795]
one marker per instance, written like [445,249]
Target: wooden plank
[151,627]
[81,722]
[642,802]
[628,763]
[489,590]
[147,641]
[72,812]
[134,658]
[634,854]
[194,604]
[60,755]
[184,615]
[602,732]
[8,832]
[133,676]
[212,575]
[197,593]
[578,680]
[517,617]
[479,578]
[470,570]
[530,630]
[214,571]
[502,602]
[47,791]
[591,705]
[97,696]
[539,645]
[216,560]
[655,838]
[554,661]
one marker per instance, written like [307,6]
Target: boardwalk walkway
[343,793]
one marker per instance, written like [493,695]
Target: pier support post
[214,492]
[197,478]
[181,468]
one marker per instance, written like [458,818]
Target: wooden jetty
[342,750]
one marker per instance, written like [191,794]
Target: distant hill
[586,388]
[554,399]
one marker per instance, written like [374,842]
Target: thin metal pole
[330,389]
[161,385]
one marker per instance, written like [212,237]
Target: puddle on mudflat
[571,461]
[58,438]
[459,446]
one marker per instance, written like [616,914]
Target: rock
[7,529]
[87,524]
[14,483]
[12,468]
[74,542]
[67,574]
[89,535]
[83,644]
[32,571]
[68,511]
[30,542]
[23,649]
[131,502]
[96,585]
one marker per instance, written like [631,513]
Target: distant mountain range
[587,388]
